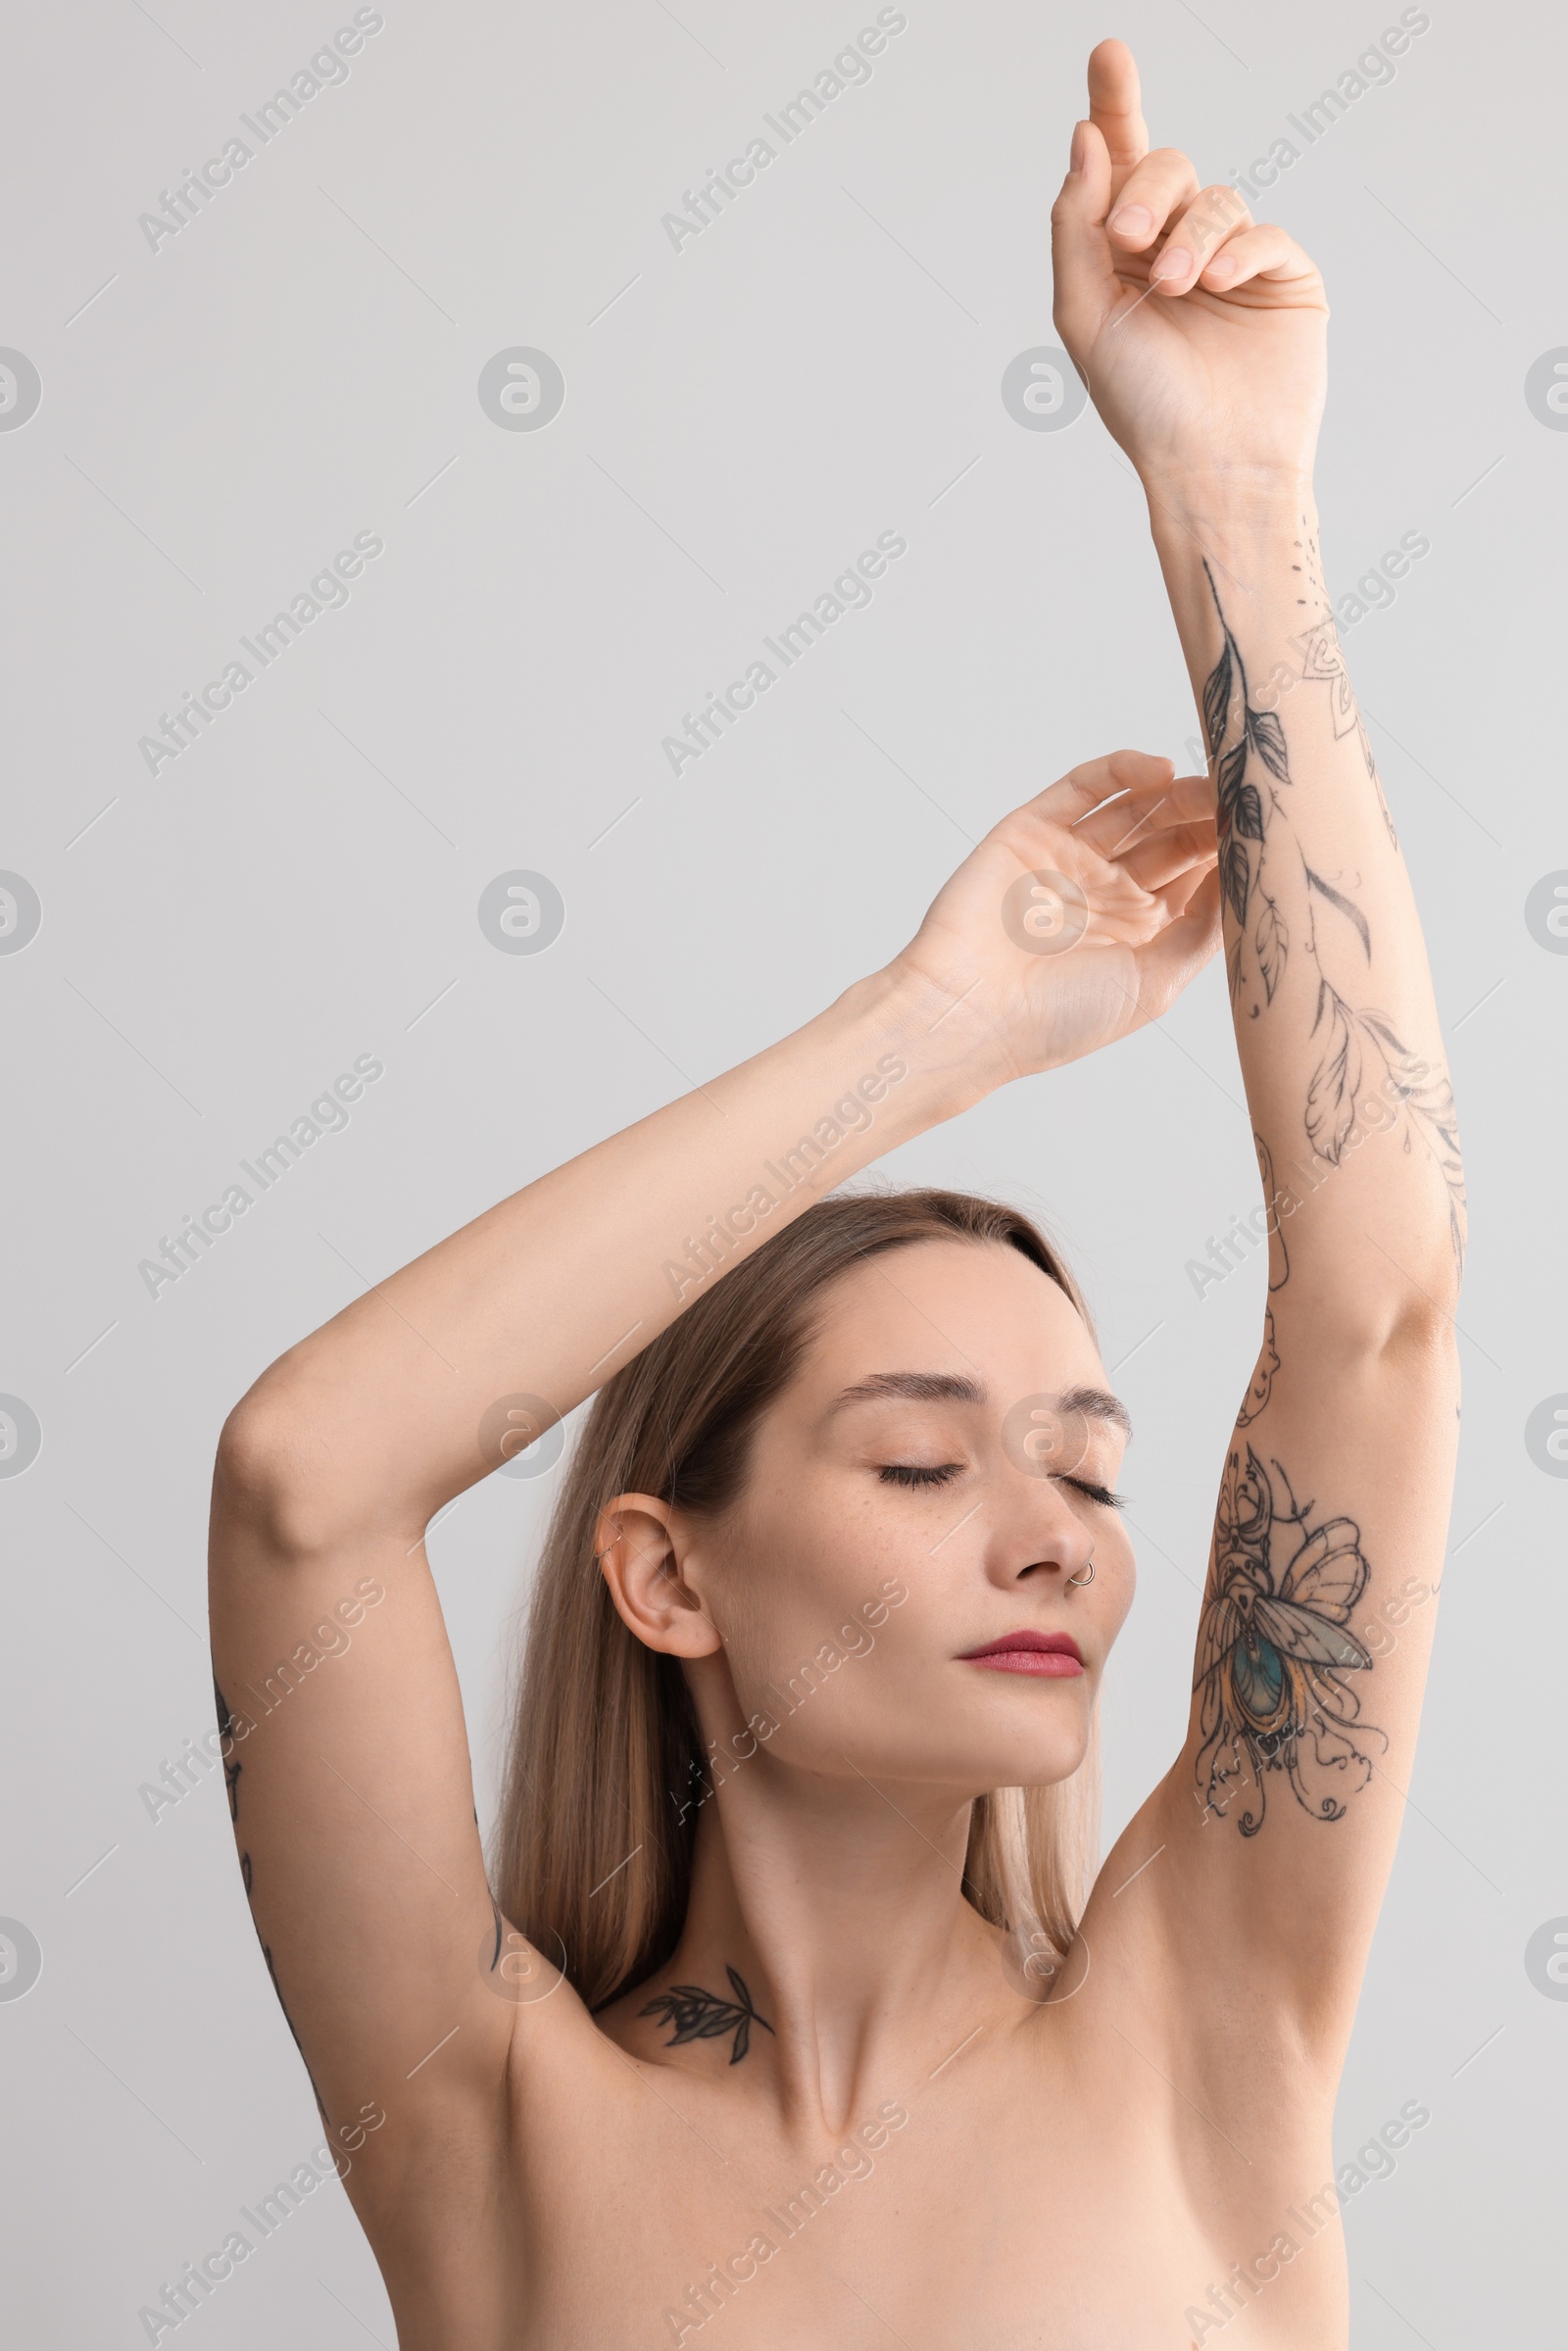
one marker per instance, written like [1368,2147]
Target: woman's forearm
[1335,1019]
[422,1386]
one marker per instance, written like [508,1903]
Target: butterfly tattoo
[1276,1658]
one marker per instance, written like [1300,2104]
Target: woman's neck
[840,1908]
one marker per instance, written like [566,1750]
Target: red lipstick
[1039,1653]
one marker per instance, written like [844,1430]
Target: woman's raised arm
[349,1768]
[347,1755]
[1203,336]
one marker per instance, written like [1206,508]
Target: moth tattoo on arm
[1279,1669]
[699,2015]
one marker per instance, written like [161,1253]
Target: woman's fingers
[1162,185]
[1086,786]
[1131,811]
[1265,252]
[1115,109]
[1106,150]
[1180,893]
[1178,952]
[1186,849]
[1154,805]
[1083,265]
[1216,216]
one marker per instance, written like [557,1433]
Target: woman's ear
[639,1553]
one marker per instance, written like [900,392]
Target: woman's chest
[932,2221]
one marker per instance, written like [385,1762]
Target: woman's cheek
[1120,1589]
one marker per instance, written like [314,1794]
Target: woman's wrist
[906,1015]
[1214,502]
[1250,541]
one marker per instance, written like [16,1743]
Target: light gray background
[300,364]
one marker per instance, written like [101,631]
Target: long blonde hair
[603,1742]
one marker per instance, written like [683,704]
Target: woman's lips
[1039,1653]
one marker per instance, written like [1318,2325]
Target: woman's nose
[1033,1532]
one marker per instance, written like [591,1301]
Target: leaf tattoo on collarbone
[1240,818]
[699,2015]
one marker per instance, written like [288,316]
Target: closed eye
[1098,1493]
[906,1473]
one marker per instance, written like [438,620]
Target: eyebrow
[956,1387]
[922,1387]
[1099,1403]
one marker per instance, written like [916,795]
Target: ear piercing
[1089,1576]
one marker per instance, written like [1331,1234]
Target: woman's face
[922,1490]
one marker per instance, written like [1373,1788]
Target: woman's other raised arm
[1201,336]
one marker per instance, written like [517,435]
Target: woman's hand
[1201,337]
[1078,918]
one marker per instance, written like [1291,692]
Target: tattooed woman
[795,2014]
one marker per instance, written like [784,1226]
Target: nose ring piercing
[1089,1577]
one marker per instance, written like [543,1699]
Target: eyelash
[903,1473]
[1103,1494]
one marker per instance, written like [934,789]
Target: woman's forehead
[951,1311]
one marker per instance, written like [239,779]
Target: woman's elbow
[269,1478]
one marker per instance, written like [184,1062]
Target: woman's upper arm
[1283,1811]
[352,1800]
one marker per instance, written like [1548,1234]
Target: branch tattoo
[1261,870]
[699,2015]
